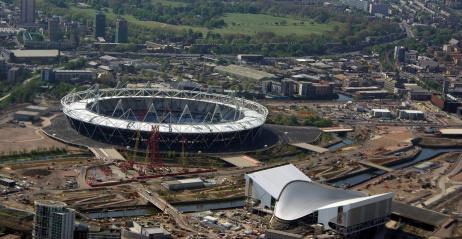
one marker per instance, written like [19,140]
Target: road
[24,83]
[444,180]
[408,29]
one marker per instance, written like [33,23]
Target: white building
[266,185]
[296,197]
[411,115]
[381,113]
[141,231]
[53,220]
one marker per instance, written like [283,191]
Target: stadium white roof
[273,180]
[75,106]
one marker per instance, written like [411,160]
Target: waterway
[135,212]
[343,97]
[341,144]
[199,207]
[425,154]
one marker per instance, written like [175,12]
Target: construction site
[195,194]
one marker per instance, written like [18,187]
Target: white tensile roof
[274,180]
[297,195]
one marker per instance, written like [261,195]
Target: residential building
[54,31]
[53,220]
[27,12]
[121,31]
[100,25]
[378,9]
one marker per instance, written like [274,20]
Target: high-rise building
[53,220]
[100,24]
[27,12]
[74,33]
[54,31]
[121,31]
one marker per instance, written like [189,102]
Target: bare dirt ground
[388,139]
[15,138]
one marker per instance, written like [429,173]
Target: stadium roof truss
[84,108]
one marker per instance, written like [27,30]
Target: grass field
[248,24]
[169,3]
[253,23]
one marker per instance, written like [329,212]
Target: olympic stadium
[190,120]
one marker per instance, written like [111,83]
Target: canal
[425,154]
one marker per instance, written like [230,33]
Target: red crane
[153,148]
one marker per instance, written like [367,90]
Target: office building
[27,12]
[121,31]
[53,220]
[68,75]
[100,25]
[54,31]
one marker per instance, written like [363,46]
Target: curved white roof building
[295,196]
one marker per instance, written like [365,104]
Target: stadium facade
[196,121]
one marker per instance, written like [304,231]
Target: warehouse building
[42,110]
[143,231]
[40,57]
[23,115]
[297,197]
[183,184]
[411,115]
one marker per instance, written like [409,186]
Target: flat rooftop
[412,111]
[24,112]
[35,53]
[381,110]
[245,72]
[422,215]
[451,131]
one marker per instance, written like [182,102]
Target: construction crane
[153,159]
